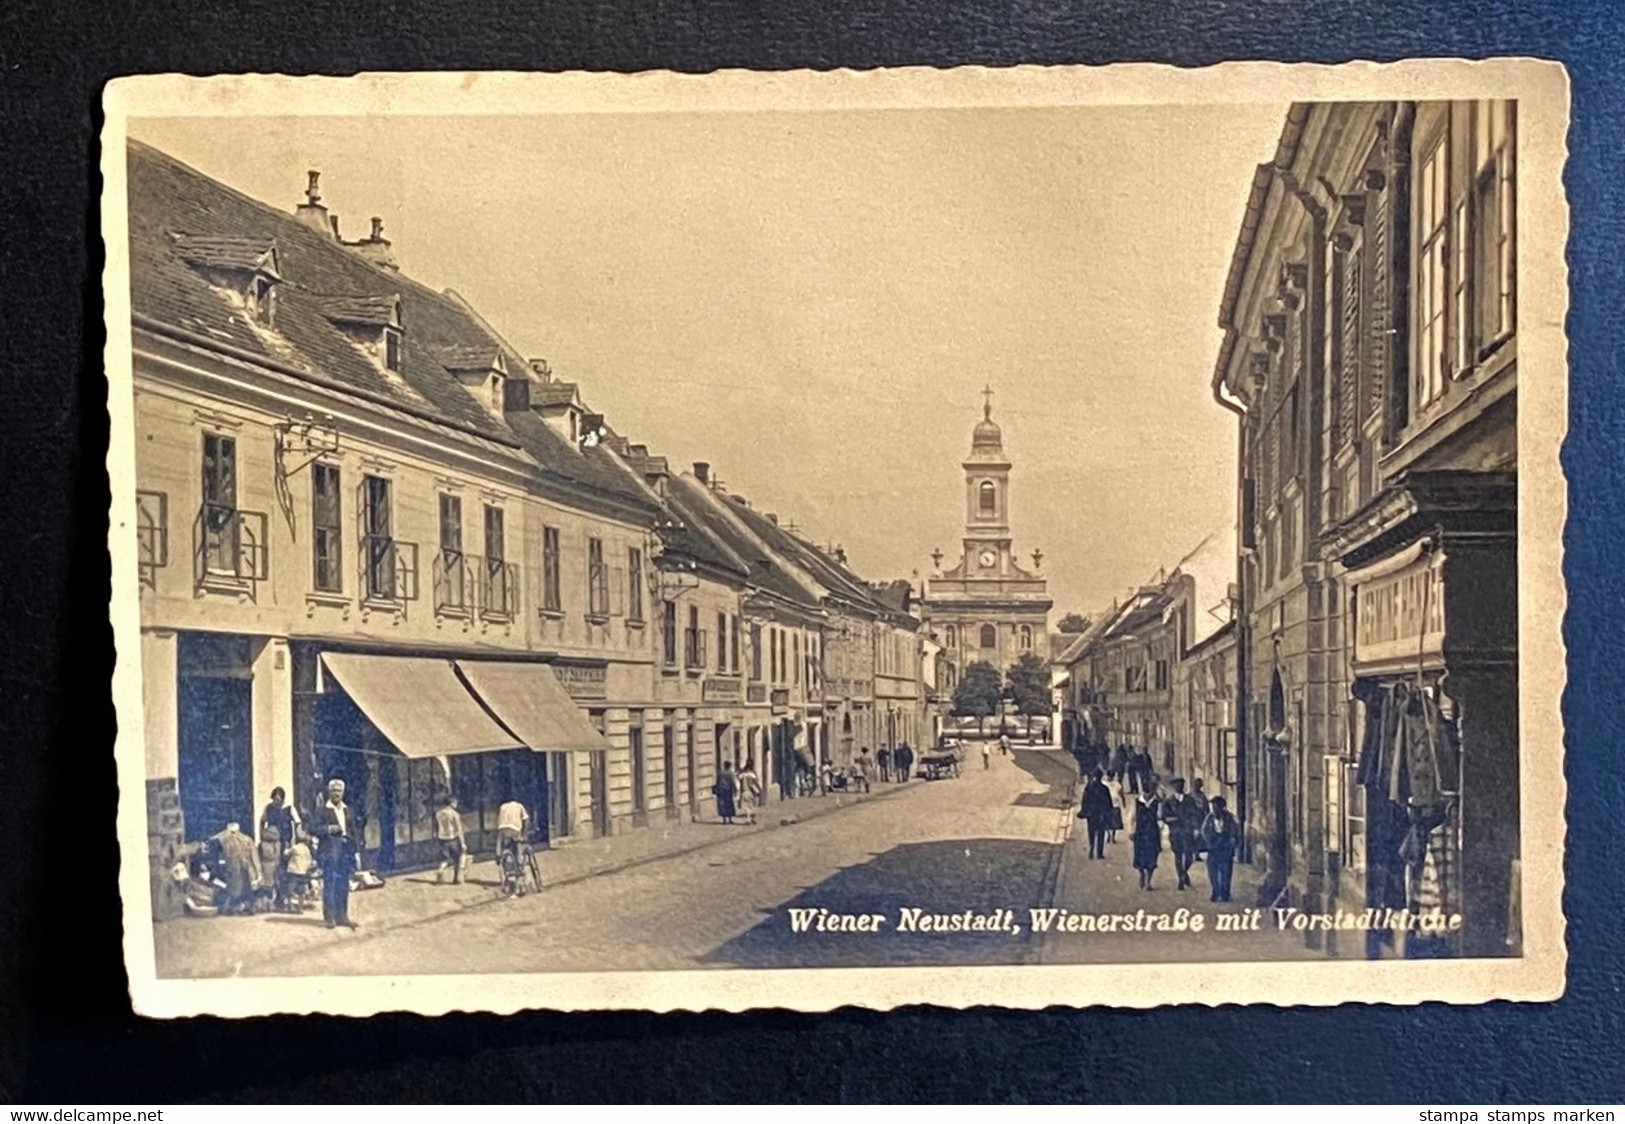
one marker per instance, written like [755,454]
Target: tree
[1072,623]
[977,693]
[1029,681]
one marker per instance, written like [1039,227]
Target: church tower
[987,497]
[988,608]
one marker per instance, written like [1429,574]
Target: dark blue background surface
[68,1035]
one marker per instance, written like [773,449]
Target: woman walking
[1114,788]
[750,791]
[725,790]
[1147,837]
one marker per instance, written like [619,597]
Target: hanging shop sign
[1399,608]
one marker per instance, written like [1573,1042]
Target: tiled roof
[242,254]
[172,205]
[834,577]
[468,357]
[691,533]
[554,393]
[765,572]
[375,311]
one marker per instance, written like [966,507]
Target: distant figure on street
[448,832]
[883,759]
[987,755]
[1200,794]
[862,769]
[826,776]
[1004,744]
[1142,762]
[1184,817]
[1097,810]
[513,826]
[338,843]
[725,789]
[1114,786]
[750,791]
[1221,833]
[904,763]
[1147,838]
[1123,766]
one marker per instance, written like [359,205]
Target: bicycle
[517,866]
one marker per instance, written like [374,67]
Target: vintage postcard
[1022,537]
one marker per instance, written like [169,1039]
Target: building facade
[1370,356]
[987,608]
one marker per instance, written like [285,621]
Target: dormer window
[392,348]
[245,268]
[373,324]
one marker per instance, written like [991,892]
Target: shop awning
[530,701]
[419,704]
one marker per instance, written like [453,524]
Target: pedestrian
[1114,786]
[725,789]
[1004,744]
[1200,794]
[513,828]
[987,755]
[1184,819]
[1221,833]
[826,777]
[448,832]
[883,759]
[750,791]
[240,866]
[862,769]
[1097,810]
[338,837]
[1147,838]
[1148,774]
[905,762]
[1123,765]
[278,824]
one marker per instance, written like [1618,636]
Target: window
[597,580]
[1333,822]
[795,662]
[634,584]
[551,600]
[499,590]
[987,498]
[1026,638]
[326,537]
[1134,678]
[392,348]
[1162,675]
[640,779]
[773,655]
[222,534]
[756,652]
[451,569]
[733,647]
[1432,208]
[668,761]
[722,641]
[378,538]
[990,636]
[950,636]
[1354,820]
[694,642]
[261,299]
[1493,214]
[668,633]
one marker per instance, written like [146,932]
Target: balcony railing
[151,534]
[453,582]
[497,585]
[389,569]
[229,547]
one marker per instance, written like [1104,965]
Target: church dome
[987,438]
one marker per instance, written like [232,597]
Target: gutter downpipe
[1243,686]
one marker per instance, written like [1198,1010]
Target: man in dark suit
[338,838]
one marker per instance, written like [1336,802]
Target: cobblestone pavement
[984,841]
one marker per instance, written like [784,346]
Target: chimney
[773,518]
[840,554]
[375,247]
[311,212]
[702,472]
[541,370]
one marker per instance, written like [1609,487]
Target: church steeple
[987,495]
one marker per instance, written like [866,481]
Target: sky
[812,302]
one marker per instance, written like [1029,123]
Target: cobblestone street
[984,841]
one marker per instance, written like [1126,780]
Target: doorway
[215,704]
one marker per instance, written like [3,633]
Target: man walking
[884,760]
[1184,820]
[904,763]
[448,832]
[1097,811]
[337,844]
[1220,833]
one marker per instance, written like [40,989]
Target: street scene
[627,566]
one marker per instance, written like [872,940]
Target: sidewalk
[192,947]
[1111,886]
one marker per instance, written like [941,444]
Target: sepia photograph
[1045,536]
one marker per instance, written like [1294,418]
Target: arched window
[990,636]
[949,676]
[987,498]
[1026,637]
[951,636]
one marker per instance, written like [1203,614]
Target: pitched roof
[252,254]
[468,357]
[839,581]
[691,535]
[765,572]
[554,393]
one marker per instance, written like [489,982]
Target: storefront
[1426,814]
[403,731]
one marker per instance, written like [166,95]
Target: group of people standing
[1194,824]
[739,792]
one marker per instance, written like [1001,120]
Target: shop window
[327,536]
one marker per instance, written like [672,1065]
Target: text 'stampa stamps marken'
[1022,537]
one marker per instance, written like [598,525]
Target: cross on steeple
[987,402]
